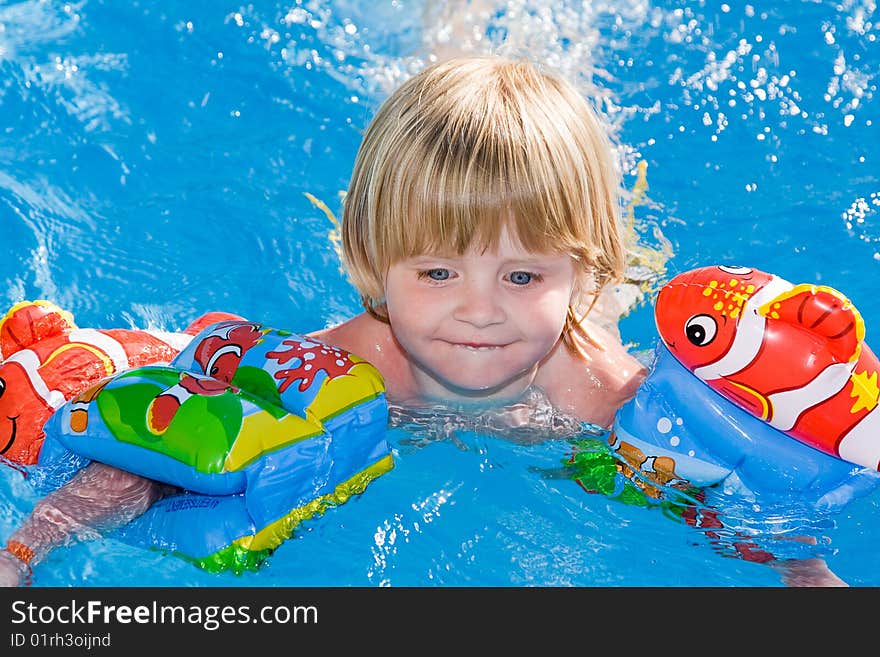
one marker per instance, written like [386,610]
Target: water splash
[530,420]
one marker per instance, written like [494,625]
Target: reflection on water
[530,420]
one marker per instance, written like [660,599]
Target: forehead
[507,245]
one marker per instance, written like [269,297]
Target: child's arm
[806,572]
[99,498]
[794,572]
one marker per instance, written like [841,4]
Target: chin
[482,386]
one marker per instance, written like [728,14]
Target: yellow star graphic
[865,391]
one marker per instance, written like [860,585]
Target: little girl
[481,223]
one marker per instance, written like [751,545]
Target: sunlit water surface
[156,162]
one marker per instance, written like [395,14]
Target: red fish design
[792,355]
[46,359]
[218,354]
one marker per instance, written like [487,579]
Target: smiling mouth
[477,346]
[11,435]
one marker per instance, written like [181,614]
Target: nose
[480,305]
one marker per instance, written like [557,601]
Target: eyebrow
[537,262]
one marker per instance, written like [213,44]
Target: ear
[28,322]
[584,287]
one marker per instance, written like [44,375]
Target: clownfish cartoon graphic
[791,355]
[218,355]
[46,360]
[79,406]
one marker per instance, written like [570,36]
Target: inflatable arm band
[760,384]
[262,428]
[46,359]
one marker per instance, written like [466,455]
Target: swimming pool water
[155,161]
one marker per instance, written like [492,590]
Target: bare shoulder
[595,387]
[361,335]
[368,338]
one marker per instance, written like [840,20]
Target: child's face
[478,325]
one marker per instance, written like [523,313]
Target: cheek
[403,317]
[548,312]
[408,307]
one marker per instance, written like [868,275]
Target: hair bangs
[474,177]
[473,146]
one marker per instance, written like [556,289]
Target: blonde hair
[468,146]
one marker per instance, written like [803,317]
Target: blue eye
[438,274]
[521,278]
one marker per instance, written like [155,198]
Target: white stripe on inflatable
[222,351]
[222,331]
[788,405]
[103,342]
[30,362]
[177,391]
[749,333]
[862,444]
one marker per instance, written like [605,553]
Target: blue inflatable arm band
[262,429]
[681,430]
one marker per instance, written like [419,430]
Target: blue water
[155,161]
